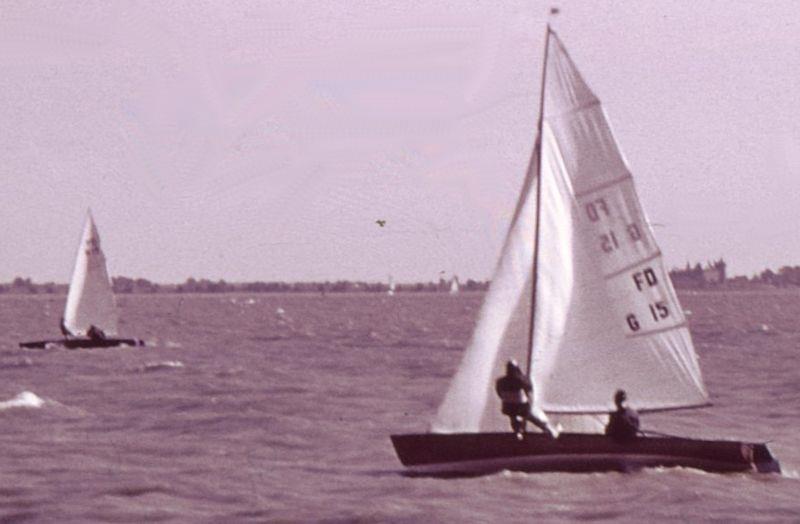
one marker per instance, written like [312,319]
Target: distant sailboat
[454,287]
[581,295]
[391,289]
[90,315]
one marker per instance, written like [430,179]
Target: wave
[154,343]
[157,366]
[139,490]
[22,362]
[763,329]
[26,399]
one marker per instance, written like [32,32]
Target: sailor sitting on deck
[95,333]
[515,391]
[623,424]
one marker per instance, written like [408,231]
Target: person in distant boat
[95,333]
[514,389]
[64,329]
[623,424]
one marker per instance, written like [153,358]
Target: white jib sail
[90,300]
[501,332]
[606,314]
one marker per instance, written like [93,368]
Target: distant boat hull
[466,454]
[82,343]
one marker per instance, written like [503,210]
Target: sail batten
[605,185]
[682,325]
[90,301]
[581,248]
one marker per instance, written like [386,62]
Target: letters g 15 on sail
[90,315]
[581,296]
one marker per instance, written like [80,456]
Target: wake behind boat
[582,296]
[90,315]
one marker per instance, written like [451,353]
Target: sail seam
[635,264]
[604,185]
[580,108]
[657,331]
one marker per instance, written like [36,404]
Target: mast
[537,159]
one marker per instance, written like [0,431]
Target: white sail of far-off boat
[454,287]
[90,315]
[581,296]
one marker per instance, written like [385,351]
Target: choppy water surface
[279,407]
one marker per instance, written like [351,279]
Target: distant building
[696,277]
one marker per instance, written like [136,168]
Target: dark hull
[464,454]
[82,343]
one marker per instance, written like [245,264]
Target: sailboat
[391,289]
[90,315]
[581,295]
[454,287]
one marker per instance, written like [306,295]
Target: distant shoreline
[681,292]
[767,280]
[140,286]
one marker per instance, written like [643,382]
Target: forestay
[606,315]
[90,300]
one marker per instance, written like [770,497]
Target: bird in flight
[380,222]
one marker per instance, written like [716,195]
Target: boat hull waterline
[466,454]
[82,343]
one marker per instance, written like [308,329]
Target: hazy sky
[262,140]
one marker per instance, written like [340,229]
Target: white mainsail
[391,289]
[90,300]
[606,315]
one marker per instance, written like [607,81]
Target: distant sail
[454,287]
[606,314]
[90,300]
[391,289]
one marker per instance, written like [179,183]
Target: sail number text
[659,310]
[595,208]
[609,242]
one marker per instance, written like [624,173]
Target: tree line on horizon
[786,276]
[125,285]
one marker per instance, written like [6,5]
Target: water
[252,408]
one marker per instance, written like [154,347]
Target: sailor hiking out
[514,390]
